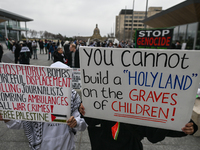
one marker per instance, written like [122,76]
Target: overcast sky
[76,17]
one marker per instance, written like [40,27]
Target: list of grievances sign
[35,93]
[154,88]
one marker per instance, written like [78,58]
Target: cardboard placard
[35,93]
[155,88]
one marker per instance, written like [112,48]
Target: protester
[24,55]
[1,51]
[45,46]
[41,45]
[34,48]
[52,48]
[58,43]
[130,136]
[59,55]
[62,43]
[48,47]
[66,48]
[30,47]
[16,51]
[53,136]
[73,58]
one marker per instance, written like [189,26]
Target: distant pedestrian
[178,45]
[62,43]
[66,48]
[58,43]
[41,44]
[30,47]
[16,51]
[24,55]
[1,51]
[45,46]
[34,48]
[48,47]
[52,49]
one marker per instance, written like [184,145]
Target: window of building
[136,17]
[191,35]
[175,36]
[198,39]
[182,33]
[126,20]
[134,24]
[130,20]
[126,24]
[140,25]
[135,21]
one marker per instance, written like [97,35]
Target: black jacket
[24,55]
[59,57]
[77,64]
[66,49]
[129,137]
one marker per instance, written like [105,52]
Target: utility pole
[132,23]
[146,12]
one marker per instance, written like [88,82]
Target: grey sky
[76,17]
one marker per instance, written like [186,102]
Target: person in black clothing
[62,43]
[130,136]
[178,45]
[41,44]
[58,43]
[30,47]
[66,48]
[16,52]
[60,56]
[73,58]
[48,46]
[24,55]
[1,51]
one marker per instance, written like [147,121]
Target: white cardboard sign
[35,93]
[155,88]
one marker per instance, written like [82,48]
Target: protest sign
[76,78]
[154,38]
[153,88]
[35,93]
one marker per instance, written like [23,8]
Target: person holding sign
[52,136]
[129,136]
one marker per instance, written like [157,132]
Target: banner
[35,93]
[154,38]
[155,88]
[76,78]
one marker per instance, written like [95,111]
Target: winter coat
[59,57]
[52,48]
[24,55]
[129,137]
[76,62]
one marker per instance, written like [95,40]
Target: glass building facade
[189,34]
[13,29]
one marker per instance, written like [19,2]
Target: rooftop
[6,15]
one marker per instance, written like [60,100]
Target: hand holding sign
[72,122]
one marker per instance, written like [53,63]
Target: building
[124,23]
[95,37]
[184,18]
[10,25]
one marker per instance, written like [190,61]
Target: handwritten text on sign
[35,93]
[154,88]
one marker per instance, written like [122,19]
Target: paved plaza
[15,139]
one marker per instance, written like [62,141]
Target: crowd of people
[61,136]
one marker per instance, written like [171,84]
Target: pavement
[16,140]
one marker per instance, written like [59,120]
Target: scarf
[34,130]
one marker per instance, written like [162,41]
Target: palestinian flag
[58,118]
[115,130]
